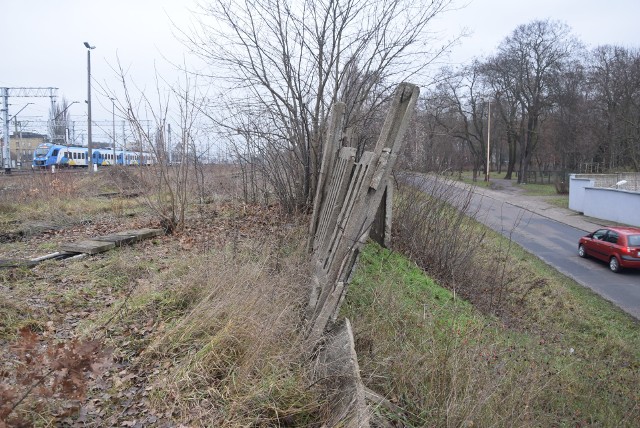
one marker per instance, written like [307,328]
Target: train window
[55,152]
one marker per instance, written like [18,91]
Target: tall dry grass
[60,199]
[230,321]
[433,355]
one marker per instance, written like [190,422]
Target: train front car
[46,154]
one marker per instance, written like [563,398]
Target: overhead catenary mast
[17,92]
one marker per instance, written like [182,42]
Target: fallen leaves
[46,370]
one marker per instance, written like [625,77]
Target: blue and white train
[47,154]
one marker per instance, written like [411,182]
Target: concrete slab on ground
[141,234]
[119,239]
[105,243]
[88,246]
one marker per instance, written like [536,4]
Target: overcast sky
[41,41]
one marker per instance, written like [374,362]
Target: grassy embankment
[533,349]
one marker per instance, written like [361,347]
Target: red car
[618,246]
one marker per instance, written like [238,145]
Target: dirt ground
[64,364]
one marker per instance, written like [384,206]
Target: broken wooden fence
[348,197]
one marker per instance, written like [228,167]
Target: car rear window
[634,240]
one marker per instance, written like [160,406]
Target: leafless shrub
[150,115]
[562,186]
[431,222]
[434,224]
[281,68]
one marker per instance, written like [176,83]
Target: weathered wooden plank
[12,263]
[87,247]
[331,148]
[381,226]
[335,199]
[398,118]
[339,249]
[349,227]
[47,257]
[324,312]
[337,367]
[341,223]
[344,236]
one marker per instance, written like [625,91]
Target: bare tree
[59,122]
[526,64]
[568,130]
[614,76]
[459,108]
[282,64]
[181,105]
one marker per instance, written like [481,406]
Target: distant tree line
[554,105]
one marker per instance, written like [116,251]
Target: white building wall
[577,188]
[620,206]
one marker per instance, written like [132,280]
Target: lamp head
[88,46]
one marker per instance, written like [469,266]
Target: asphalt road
[555,241]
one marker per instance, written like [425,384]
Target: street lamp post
[113,127]
[488,142]
[89,145]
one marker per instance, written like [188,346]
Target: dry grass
[222,346]
[236,351]
[433,355]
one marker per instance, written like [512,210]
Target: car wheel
[614,264]
[581,251]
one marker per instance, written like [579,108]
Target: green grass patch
[538,189]
[560,201]
[572,359]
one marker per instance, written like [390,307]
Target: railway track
[22,172]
